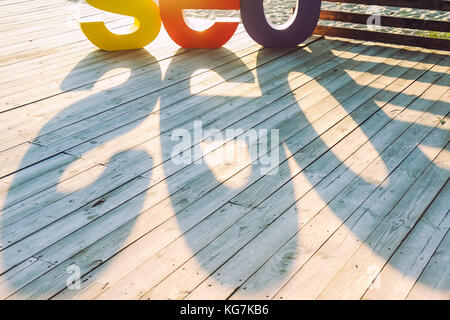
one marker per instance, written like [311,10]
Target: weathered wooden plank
[14,252]
[12,9]
[307,283]
[45,285]
[80,82]
[404,268]
[172,260]
[388,234]
[46,45]
[46,59]
[196,101]
[31,91]
[57,66]
[228,278]
[35,186]
[155,48]
[31,179]
[101,232]
[23,59]
[97,128]
[269,184]
[90,108]
[64,15]
[22,32]
[31,52]
[312,287]
[32,168]
[63,10]
[9,281]
[434,280]
[28,4]
[309,206]
[304,284]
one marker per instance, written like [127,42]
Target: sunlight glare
[347,124]
[223,159]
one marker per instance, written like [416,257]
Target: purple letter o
[294,32]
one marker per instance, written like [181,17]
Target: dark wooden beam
[406,40]
[409,23]
[415,4]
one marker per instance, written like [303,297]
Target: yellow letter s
[146,26]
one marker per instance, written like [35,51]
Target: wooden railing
[423,40]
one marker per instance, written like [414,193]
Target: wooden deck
[358,208]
